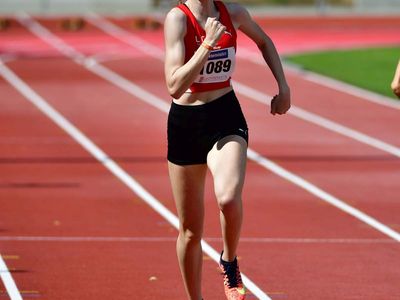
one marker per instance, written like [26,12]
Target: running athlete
[207,129]
[396,81]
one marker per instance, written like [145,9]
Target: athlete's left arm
[396,81]
[242,20]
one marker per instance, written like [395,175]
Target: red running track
[70,230]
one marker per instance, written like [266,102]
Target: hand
[280,103]
[396,88]
[214,30]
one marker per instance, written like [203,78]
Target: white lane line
[133,239]
[313,189]
[259,159]
[321,121]
[252,56]
[337,85]
[86,143]
[245,90]
[248,55]
[323,195]
[8,281]
[343,87]
[112,166]
[125,36]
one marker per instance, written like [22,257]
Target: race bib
[219,66]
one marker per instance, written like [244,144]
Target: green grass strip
[371,69]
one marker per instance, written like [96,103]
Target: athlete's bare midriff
[202,97]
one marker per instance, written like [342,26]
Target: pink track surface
[69,229]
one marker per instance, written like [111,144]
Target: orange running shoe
[234,288]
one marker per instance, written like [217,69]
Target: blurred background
[146,6]
[367,29]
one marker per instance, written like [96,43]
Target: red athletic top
[219,67]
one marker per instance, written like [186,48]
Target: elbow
[176,95]
[175,91]
[265,43]
[263,46]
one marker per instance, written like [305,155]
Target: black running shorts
[194,129]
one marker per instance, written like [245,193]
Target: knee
[190,236]
[229,200]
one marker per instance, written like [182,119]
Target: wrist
[207,46]
[209,42]
[284,87]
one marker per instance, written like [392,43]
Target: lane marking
[322,122]
[141,239]
[268,164]
[8,281]
[244,90]
[313,189]
[112,166]
[86,143]
[157,102]
[124,36]
[334,84]
[254,57]
[343,87]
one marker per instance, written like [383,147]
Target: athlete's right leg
[188,188]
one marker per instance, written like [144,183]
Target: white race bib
[219,66]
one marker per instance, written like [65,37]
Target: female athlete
[207,129]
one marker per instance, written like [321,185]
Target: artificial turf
[372,69]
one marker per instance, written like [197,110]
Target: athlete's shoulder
[237,12]
[175,23]
[176,15]
[235,8]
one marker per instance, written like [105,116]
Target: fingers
[397,92]
[214,23]
[214,30]
[279,105]
[209,23]
[273,105]
[396,89]
[221,29]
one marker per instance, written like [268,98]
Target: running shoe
[234,288]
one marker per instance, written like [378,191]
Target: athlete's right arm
[178,74]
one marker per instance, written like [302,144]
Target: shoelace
[232,275]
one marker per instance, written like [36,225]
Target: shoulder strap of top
[224,15]
[191,18]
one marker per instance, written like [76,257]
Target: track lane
[56,196]
[142,44]
[73,50]
[77,57]
[355,111]
[389,165]
[370,118]
[263,171]
[139,112]
[389,284]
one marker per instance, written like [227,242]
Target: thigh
[188,188]
[227,163]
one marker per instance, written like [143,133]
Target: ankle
[227,258]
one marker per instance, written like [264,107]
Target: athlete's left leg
[227,163]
